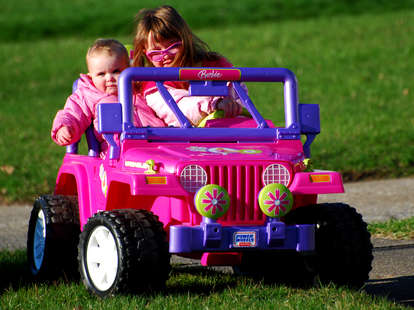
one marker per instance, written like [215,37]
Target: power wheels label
[244,239]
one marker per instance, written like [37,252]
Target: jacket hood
[91,93]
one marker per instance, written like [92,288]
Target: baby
[105,59]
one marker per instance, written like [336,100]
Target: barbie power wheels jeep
[236,192]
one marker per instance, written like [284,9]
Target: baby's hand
[64,136]
[229,107]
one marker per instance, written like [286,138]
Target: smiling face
[104,69]
[167,48]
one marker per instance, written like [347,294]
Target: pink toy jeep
[238,192]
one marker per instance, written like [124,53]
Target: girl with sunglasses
[163,39]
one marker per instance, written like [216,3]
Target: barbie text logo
[209,75]
[206,74]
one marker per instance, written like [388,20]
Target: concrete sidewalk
[379,200]
[376,200]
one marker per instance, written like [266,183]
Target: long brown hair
[165,23]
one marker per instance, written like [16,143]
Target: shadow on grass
[399,289]
[199,280]
[15,274]
[195,280]
[184,279]
[13,270]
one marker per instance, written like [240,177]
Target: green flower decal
[212,201]
[275,200]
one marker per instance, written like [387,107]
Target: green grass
[393,229]
[357,67]
[192,288]
[187,288]
[36,19]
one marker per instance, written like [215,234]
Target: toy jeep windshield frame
[299,118]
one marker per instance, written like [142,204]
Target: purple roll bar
[282,75]
[299,118]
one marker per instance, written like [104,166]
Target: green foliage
[188,288]
[33,19]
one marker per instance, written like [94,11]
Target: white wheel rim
[39,240]
[102,258]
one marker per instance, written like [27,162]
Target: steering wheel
[220,114]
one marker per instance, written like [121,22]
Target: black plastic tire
[52,236]
[343,246]
[123,251]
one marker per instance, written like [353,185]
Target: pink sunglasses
[158,55]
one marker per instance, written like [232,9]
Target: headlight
[193,177]
[276,173]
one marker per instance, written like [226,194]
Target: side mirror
[109,118]
[310,124]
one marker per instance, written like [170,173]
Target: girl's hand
[230,108]
[64,136]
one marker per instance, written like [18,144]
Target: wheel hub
[102,258]
[39,240]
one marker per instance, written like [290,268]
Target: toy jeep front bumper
[211,236]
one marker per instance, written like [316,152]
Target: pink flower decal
[214,201]
[277,202]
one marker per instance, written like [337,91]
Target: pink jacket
[143,115]
[194,108]
[80,111]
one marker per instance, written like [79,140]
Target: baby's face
[104,70]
